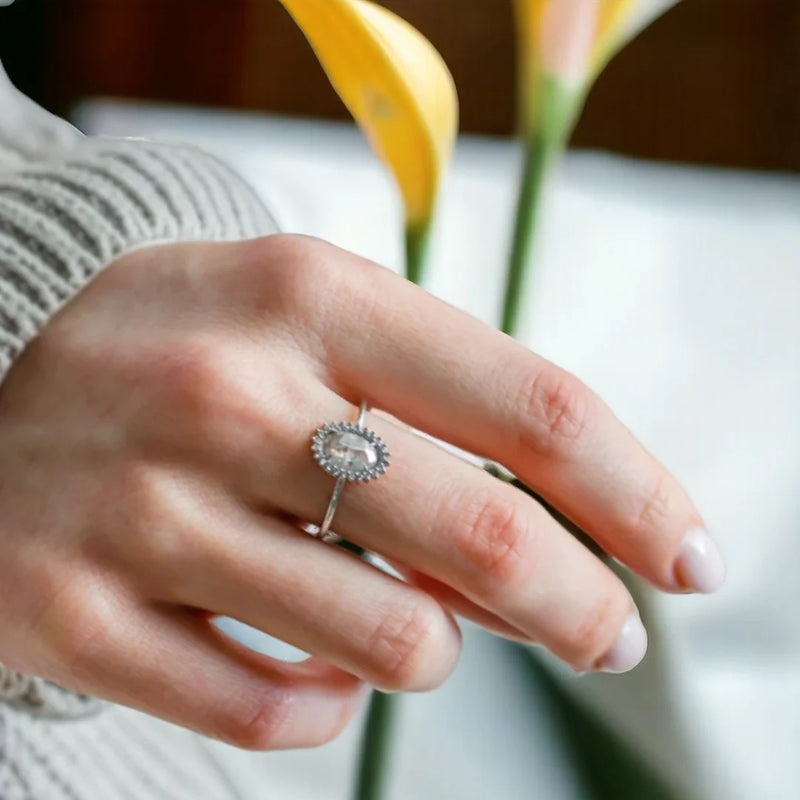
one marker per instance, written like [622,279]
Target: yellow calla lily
[398,89]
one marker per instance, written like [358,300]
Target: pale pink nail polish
[699,567]
[629,649]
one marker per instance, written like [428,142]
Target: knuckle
[143,496]
[289,267]
[146,510]
[594,635]
[403,647]
[171,553]
[497,538]
[262,728]
[88,637]
[190,375]
[557,410]
[204,388]
[292,282]
[79,625]
[655,506]
[284,249]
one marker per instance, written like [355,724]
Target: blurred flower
[572,40]
[563,45]
[400,92]
[619,25]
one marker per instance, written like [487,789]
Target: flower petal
[568,31]
[395,85]
[622,21]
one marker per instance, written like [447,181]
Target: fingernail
[629,649]
[699,567]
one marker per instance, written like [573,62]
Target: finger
[458,379]
[488,541]
[447,596]
[176,665]
[462,606]
[321,599]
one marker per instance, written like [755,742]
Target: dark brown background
[714,81]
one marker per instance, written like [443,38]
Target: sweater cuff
[43,699]
[63,221]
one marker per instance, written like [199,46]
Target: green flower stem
[377,738]
[376,747]
[558,107]
[537,157]
[418,239]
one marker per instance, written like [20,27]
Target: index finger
[460,380]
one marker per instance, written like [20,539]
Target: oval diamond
[349,451]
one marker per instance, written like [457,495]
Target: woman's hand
[155,459]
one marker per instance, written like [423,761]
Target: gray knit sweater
[69,205]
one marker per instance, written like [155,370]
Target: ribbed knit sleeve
[69,205]
[63,220]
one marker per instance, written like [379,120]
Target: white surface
[479,737]
[674,293]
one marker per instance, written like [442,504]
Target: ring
[350,453]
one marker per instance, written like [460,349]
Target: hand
[155,460]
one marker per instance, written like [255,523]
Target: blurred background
[667,278]
[715,82]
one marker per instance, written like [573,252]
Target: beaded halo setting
[348,451]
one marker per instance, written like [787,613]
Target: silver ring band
[351,453]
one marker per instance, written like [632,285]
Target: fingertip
[699,566]
[628,650]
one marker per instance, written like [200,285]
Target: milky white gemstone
[349,451]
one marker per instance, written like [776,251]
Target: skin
[155,460]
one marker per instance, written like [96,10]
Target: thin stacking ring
[350,453]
